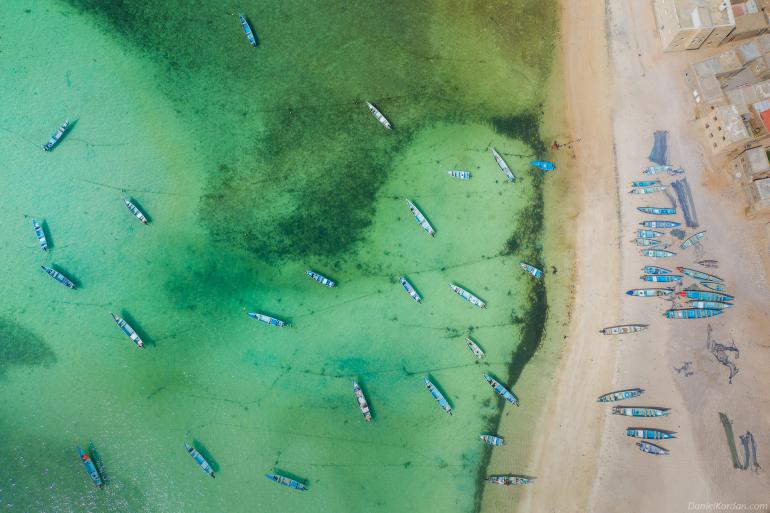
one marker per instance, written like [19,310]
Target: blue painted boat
[694,239]
[620,395]
[646,242]
[534,271]
[649,292]
[503,166]
[40,234]
[409,289]
[657,253]
[660,224]
[438,396]
[705,295]
[650,434]
[285,481]
[128,330]
[651,448]
[543,165]
[692,313]
[654,269]
[661,278]
[718,287]
[699,275]
[648,234]
[462,175]
[638,411]
[658,211]
[272,321]
[323,280]
[653,170]
[55,138]
[135,210]
[90,468]
[421,220]
[200,460]
[467,296]
[645,183]
[648,190]
[247,30]
[492,440]
[501,390]
[713,305]
[56,275]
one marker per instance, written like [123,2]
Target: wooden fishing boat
[362,404]
[501,390]
[650,434]
[647,242]
[651,448]
[534,271]
[543,165]
[492,440]
[272,321]
[503,166]
[438,396]
[698,275]
[507,480]
[323,280]
[657,253]
[285,481]
[40,234]
[55,138]
[90,468]
[653,269]
[659,224]
[135,210]
[467,296]
[645,183]
[421,220]
[653,170]
[56,275]
[462,175]
[200,460]
[648,190]
[718,287]
[692,240]
[711,264]
[705,295]
[658,278]
[639,411]
[474,347]
[623,329]
[128,330]
[692,313]
[247,30]
[658,211]
[620,395]
[649,292]
[648,234]
[712,305]
[379,116]
[409,289]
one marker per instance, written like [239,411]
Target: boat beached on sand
[543,165]
[653,269]
[714,305]
[657,253]
[272,321]
[652,170]
[421,220]
[648,190]
[492,440]
[379,116]
[705,295]
[128,330]
[247,30]
[135,210]
[692,313]
[40,234]
[620,395]
[323,280]
[660,224]
[699,275]
[649,292]
[55,138]
[438,396]
[285,481]
[362,404]
[501,390]
[648,234]
[692,240]
[507,480]
[637,411]
[503,166]
[409,289]
[717,287]
[650,434]
[90,468]
[651,448]
[467,296]
[56,275]
[661,278]
[200,460]
[645,183]
[623,329]
[646,242]
[658,211]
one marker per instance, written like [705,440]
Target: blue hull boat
[620,395]
[649,292]
[692,240]
[200,460]
[658,211]
[645,183]
[462,175]
[421,219]
[710,305]
[660,224]
[128,330]
[467,296]
[534,271]
[715,286]
[323,280]
[636,411]
[706,295]
[438,396]
[654,269]
[56,275]
[90,468]
[699,275]
[247,30]
[285,481]
[543,165]
[692,313]
[40,234]
[650,434]
[272,321]
[648,190]
[492,440]
[648,234]
[657,253]
[409,289]
[501,390]
[661,278]
[55,138]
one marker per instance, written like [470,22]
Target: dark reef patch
[19,346]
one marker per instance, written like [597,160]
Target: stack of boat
[643,433]
[701,303]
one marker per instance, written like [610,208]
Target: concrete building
[692,24]
[759,194]
[725,128]
[750,19]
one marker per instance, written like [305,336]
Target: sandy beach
[620,88]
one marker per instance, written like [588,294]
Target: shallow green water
[253,166]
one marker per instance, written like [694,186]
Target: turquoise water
[253,166]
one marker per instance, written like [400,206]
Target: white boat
[379,116]
[421,219]
[135,210]
[362,404]
[467,296]
[272,321]
[462,175]
[503,166]
[621,330]
[409,289]
[40,234]
[474,347]
[128,330]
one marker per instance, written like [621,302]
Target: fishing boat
[645,183]
[507,480]
[409,289]
[648,234]
[636,411]
[272,321]
[659,224]
[40,234]
[467,296]
[651,448]
[135,210]
[56,275]
[323,280]
[698,275]
[200,460]
[653,170]
[620,395]
[503,166]
[718,287]
[421,219]
[692,240]
[379,116]
[55,138]
[712,264]
[474,347]
[692,313]
[705,295]
[128,330]
[462,175]
[285,481]
[649,292]
[438,396]
[658,211]
[661,277]
[501,390]
[492,440]
[650,434]
[623,329]
[247,30]
[362,404]
[654,269]
[648,190]
[711,305]
[657,253]
[543,165]
[90,468]
[534,271]
[646,242]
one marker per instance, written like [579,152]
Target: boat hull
[622,330]
[649,434]
[692,313]
[501,390]
[620,395]
[658,211]
[323,280]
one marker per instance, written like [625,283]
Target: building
[750,19]
[759,194]
[726,130]
[692,24]
[752,168]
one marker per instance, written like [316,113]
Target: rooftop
[757,160]
[703,13]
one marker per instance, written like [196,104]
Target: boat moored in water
[247,30]
[692,313]
[409,289]
[492,440]
[474,348]
[531,269]
[128,330]
[650,434]
[658,211]
[462,175]
[135,210]
[93,473]
[467,296]
[323,280]
[507,480]
[56,275]
[272,321]
[362,404]
[285,481]
[379,116]
[503,166]
[501,390]
[543,165]
[200,460]
[40,234]
[55,138]
[421,220]
[438,396]
[620,395]
[651,448]
[637,411]
[623,329]
[699,275]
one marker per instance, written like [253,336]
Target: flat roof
[758,161]
[691,12]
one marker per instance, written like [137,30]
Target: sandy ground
[620,88]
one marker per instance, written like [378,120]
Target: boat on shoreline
[379,116]
[467,296]
[474,347]
[285,481]
[699,275]
[657,253]
[654,269]
[501,390]
[56,275]
[438,396]
[649,292]
[409,289]
[706,295]
[55,138]
[691,313]
[247,30]
[648,234]
[531,269]
[651,448]
[647,242]
[543,165]
[713,285]
[128,330]
[661,278]
[645,183]
[320,278]
[40,234]
[658,211]
[660,224]
[362,404]
[200,460]
[507,480]
[653,170]
[620,395]
[648,190]
[711,264]
[638,411]
[710,305]
[90,468]
[503,166]
[623,329]
[421,220]
[462,175]
[694,239]
[492,440]
[272,321]
[135,210]
[650,434]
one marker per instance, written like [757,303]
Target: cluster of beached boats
[643,433]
